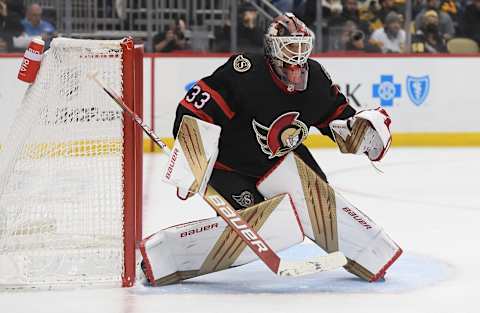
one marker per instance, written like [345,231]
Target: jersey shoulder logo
[282,136]
[241,64]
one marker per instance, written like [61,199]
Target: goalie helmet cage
[71,171]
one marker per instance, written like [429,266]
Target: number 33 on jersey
[197,97]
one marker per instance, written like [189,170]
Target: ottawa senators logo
[245,199]
[241,64]
[284,134]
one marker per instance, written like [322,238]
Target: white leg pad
[205,246]
[332,222]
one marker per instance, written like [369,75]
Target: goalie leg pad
[206,246]
[330,221]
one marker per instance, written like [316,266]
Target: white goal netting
[61,173]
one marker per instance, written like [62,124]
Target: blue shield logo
[418,88]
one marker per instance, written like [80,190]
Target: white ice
[427,200]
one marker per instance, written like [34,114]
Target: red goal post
[133,155]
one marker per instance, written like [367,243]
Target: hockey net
[69,172]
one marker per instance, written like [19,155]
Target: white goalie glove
[367,132]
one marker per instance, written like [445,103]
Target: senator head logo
[282,136]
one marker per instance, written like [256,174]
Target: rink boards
[432,100]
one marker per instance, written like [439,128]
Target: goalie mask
[288,44]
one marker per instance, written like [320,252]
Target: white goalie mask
[288,45]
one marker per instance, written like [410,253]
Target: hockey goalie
[239,133]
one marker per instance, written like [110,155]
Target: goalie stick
[258,245]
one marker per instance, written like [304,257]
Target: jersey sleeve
[210,99]
[339,108]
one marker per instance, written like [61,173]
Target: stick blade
[324,263]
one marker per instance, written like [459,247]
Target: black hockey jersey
[261,121]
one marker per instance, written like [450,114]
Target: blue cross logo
[387,90]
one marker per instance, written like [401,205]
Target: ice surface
[427,200]
[402,277]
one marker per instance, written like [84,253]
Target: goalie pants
[241,190]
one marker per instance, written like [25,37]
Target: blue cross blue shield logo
[418,88]
[387,90]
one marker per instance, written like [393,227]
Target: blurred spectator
[338,35]
[337,29]
[289,5]
[386,6]
[391,37]
[451,7]
[250,36]
[10,24]
[357,43]
[344,20]
[374,12]
[471,21]
[445,25]
[428,39]
[173,39]
[336,17]
[348,29]
[309,13]
[351,12]
[35,26]
[369,12]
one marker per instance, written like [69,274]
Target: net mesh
[61,187]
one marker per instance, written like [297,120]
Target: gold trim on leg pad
[176,277]
[320,199]
[358,270]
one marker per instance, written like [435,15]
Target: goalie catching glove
[366,132]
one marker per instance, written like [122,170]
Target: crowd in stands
[372,25]
[364,25]
[18,25]
[347,25]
